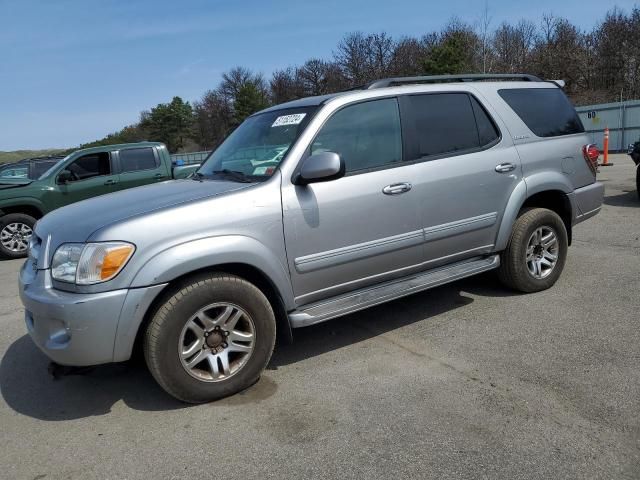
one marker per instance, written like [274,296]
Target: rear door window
[546,111]
[445,123]
[135,159]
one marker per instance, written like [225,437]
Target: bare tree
[484,37]
[408,56]
[380,54]
[286,85]
[312,75]
[352,55]
[236,78]
[213,118]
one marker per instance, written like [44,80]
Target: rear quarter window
[546,111]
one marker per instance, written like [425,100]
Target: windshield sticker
[263,170]
[294,119]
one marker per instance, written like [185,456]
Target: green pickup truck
[83,174]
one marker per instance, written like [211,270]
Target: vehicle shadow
[27,388]
[365,324]
[627,199]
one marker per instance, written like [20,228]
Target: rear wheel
[210,339]
[536,252]
[15,232]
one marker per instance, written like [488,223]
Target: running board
[370,296]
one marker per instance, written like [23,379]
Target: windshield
[15,171]
[256,148]
[31,170]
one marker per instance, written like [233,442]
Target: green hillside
[20,154]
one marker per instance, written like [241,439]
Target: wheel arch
[243,270]
[543,192]
[237,255]
[27,209]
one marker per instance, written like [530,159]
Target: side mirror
[320,167]
[64,177]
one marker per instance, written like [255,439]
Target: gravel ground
[464,381]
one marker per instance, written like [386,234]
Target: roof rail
[466,77]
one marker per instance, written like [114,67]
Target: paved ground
[464,381]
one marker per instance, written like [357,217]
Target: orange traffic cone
[605,149]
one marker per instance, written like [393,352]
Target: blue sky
[72,71]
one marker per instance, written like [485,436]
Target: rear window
[546,111]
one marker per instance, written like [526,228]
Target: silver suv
[311,210]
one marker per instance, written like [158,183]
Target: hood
[76,222]
[9,182]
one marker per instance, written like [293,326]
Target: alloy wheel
[216,342]
[542,252]
[15,236]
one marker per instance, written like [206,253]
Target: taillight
[591,155]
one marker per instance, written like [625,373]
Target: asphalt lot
[465,381]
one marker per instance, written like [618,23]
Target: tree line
[599,65]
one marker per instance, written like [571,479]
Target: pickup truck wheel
[15,232]
[536,252]
[210,339]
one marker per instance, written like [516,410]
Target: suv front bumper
[81,329]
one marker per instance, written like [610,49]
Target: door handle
[505,167]
[111,182]
[159,175]
[396,188]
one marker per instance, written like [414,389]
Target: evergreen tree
[170,123]
[450,56]
[248,100]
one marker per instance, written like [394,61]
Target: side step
[370,296]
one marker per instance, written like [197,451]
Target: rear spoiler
[559,83]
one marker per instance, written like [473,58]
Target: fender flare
[185,258]
[536,183]
[15,203]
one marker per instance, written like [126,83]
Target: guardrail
[189,158]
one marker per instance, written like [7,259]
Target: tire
[196,307]
[516,271]
[638,181]
[15,224]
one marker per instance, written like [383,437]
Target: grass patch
[16,155]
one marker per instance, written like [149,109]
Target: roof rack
[467,77]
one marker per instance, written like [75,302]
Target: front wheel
[15,232]
[210,339]
[536,252]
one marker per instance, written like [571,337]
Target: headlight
[86,264]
